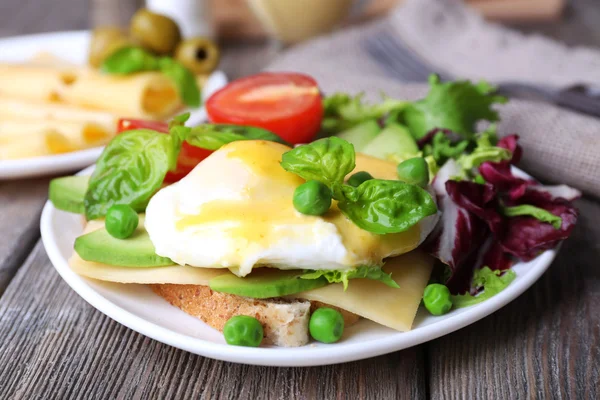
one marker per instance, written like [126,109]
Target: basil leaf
[213,136]
[535,212]
[179,120]
[179,132]
[129,60]
[382,206]
[326,160]
[183,78]
[364,271]
[129,171]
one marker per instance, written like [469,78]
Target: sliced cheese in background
[149,95]
[20,138]
[174,274]
[16,109]
[391,307]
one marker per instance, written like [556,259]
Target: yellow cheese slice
[391,307]
[174,274]
[380,169]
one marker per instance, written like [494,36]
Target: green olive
[200,55]
[105,41]
[121,221]
[312,198]
[155,32]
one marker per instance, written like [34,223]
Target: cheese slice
[177,274]
[391,307]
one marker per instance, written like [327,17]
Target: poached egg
[234,210]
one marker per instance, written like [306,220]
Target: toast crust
[285,322]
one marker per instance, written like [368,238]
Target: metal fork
[404,64]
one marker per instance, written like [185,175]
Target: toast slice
[285,322]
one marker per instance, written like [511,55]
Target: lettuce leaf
[538,213]
[342,111]
[441,148]
[365,271]
[457,106]
[492,283]
[485,151]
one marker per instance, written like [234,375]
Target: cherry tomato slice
[189,156]
[288,104]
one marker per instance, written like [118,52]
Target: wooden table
[545,344]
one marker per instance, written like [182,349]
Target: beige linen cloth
[560,146]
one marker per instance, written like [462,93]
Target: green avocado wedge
[264,283]
[67,193]
[136,251]
[361,134]
[395,141]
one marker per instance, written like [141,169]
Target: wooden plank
[545,344]
[54,345]
[20,206]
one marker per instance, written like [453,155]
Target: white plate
[138,308]
[73,47]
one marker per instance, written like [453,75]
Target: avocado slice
[264,283]
[67,193]
[393,143]
[361,134]
[136,251]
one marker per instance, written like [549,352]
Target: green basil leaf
[364,271]
[129,171]
[326,160]
[213,136]
[179,132]
[382,206]
[129,60]
[183,78]
[535,212]
[179,120]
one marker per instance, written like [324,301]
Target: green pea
[121,221]
[358,178]
[414,171]
[326,325]
[243,330]
[312,198]
[437,299]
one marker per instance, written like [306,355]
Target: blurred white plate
[138,308]
[73,47]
